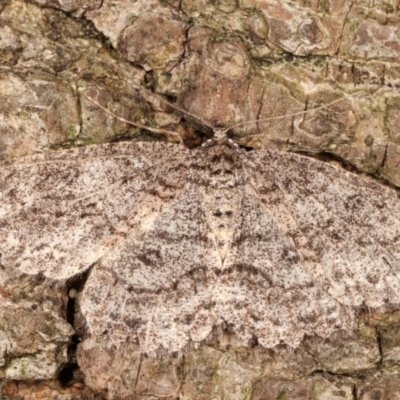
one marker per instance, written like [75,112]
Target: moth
[275,245]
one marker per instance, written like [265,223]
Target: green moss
[19,367]
[366,332]
[351,25]
[86,141]
[245,393]
[318,389]
[71,132]
[283,396]
[131,17]
[324,7]
[163,364]
[201,356]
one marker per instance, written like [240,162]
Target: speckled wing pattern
[62,211]
[272,244]
[347,226]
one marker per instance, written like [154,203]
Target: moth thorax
[222,174]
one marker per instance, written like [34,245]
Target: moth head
[220,137]
[220,134]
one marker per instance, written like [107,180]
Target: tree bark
[225,62]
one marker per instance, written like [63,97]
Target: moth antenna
[161,131]
[172,105]
[252,121]
[175,107]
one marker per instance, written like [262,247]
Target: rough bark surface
[226,62]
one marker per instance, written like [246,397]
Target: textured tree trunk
[226,62]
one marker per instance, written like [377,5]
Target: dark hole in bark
[247,148]
[69,374]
